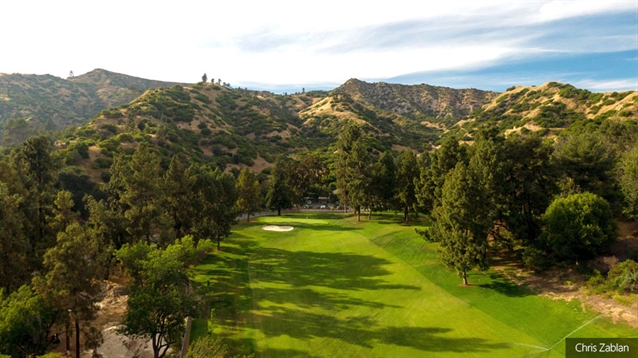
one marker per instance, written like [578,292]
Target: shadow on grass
[506,287]
[364,332]
[328,269]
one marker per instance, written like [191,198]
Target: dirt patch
[277,228]
[566,285]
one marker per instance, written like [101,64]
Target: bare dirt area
[112,309]
[567,284]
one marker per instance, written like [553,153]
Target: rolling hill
[51,102]
[235,127]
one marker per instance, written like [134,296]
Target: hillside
[54,103]
[550,109]
[241,128]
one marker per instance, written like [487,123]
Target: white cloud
[287,41]
[609,85]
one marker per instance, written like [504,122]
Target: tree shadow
[364,332]
[506,287]
[345,271]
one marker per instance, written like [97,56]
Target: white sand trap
[277,228]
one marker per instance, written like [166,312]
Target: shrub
[101,163]
[623,276]
[578,227]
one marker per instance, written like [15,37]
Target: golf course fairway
[333,287]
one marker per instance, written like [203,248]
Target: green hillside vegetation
[551,108]
[165,177]
[47,102]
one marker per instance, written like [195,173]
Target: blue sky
[289,45]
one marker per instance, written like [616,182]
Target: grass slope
[334,287]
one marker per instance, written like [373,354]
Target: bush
[101,163]
[578,227]
[623,276]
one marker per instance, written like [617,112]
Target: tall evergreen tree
[35,168]
[249,193]
[279,192]
[383,186]
[178,191]
[587,163]
[407,174]
[527,187]
[14,246]
[461,222]
[441,162]
[352,169]
[143,198]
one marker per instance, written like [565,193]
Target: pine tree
[14,246]
[249,193]
[279,192]
[178,191]
[407,173]
[36,170]
[461,222]
[352,169]
[143,198]
[383,184]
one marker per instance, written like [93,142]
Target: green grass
[336,288]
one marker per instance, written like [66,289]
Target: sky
[284,46]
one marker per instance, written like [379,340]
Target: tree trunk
[358,213]
[464,275]
[405,214]
[218,243]
[370,214]
[278,212]
[77,338]
[247,217]
[68,338]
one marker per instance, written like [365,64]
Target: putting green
[336,288]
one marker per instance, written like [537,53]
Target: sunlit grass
[333,287]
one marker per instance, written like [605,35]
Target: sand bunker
[277,228]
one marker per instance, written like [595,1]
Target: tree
[63,214]
[352,169]
[25,323]
[578,227]
[16,131]
[14,246]
[34,167]
[432,177]
[72,281]
[528,184]
[178,191]
[628,179]
[383,186]
[279,192]
[303,175]
[587,163]
[407,173]
[160,298]
[249,193]
[214,202]
[142,197]
[461,222]
[204,78]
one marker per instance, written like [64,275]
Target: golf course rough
[333,287]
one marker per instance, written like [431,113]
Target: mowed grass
[333,287]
